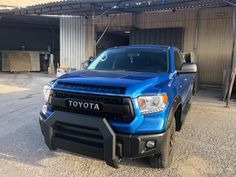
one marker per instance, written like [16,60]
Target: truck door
[188,81]
[183,80]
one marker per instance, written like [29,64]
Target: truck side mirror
[188,68]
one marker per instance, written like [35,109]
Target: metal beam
[230,3]
[83,7]
[104,32]
[178,5]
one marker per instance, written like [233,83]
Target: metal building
[27,41]
[206,31]
[87,27]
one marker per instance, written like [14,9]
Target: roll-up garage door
[164,36]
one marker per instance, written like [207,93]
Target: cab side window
[179,61]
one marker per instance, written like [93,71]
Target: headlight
[152,104]
[46,92]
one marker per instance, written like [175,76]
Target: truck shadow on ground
[26,146]
[142,163]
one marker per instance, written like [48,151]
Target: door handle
[186,79]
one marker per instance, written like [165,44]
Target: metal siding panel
[215,38]
[165,36]
[73,41]
[154,20]
[215,45]
[120,21]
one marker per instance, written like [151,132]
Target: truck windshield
[132,59]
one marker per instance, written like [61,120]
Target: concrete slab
[206,146]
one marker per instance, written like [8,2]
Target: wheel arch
[176,112]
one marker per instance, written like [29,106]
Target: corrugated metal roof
[85,7]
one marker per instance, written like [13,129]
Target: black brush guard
[82,134]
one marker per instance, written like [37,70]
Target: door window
[178,60]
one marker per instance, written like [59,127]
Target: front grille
[119,109]
[89,97]
[78,134]
[92,88]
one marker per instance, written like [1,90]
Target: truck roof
[143,46]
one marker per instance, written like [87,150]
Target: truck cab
[128,103]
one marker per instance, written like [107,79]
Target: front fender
[173,107]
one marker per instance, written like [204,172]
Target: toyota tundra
[128,103]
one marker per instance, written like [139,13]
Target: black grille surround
[89,87]
[116,108]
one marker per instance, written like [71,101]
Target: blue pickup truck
[128,103]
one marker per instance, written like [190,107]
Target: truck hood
[119,82]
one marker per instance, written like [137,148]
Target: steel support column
[233,60]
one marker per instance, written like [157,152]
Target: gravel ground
[206,146]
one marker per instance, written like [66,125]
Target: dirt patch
[10,89]
[194,167]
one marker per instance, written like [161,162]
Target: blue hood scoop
[112,82]
[90,88]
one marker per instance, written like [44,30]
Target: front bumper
[93,136]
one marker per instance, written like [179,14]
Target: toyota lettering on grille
[83,105]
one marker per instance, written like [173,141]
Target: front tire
[51,148]
[165,158]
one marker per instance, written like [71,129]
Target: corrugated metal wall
[181,18]
[73,38]
[164,36]
[213,46]
[121,22]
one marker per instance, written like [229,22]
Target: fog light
[44,109]
[150,144]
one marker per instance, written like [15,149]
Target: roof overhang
[31,21]
[99,7]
